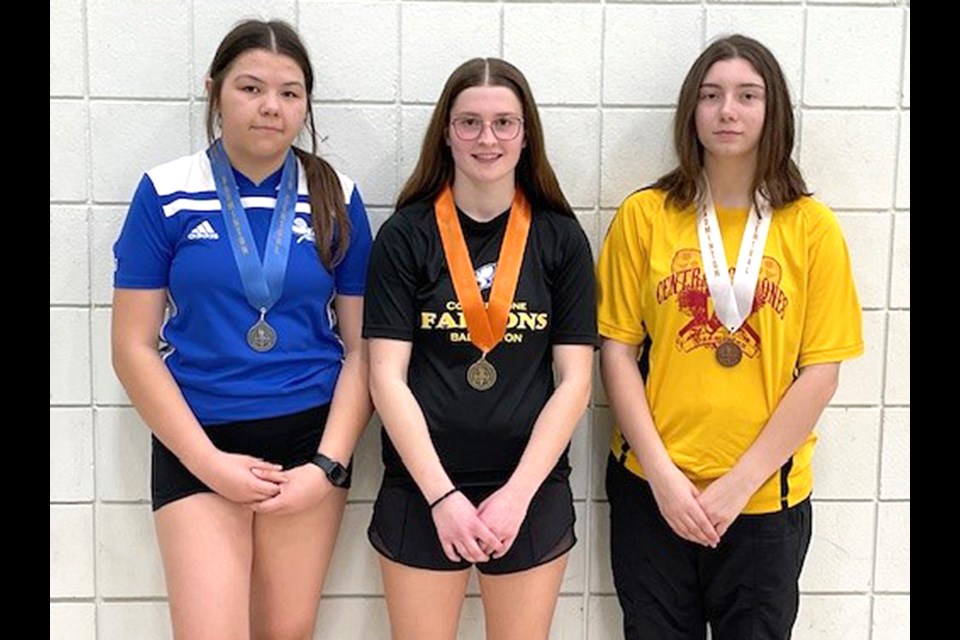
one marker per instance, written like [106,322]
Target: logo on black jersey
[519,321]
[484,275]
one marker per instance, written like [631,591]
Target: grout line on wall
[85,17]
[192,71]
[566,105]
[591,422]
[799,99]
[703,25]
[899,109]
[876,505]
[398,105]
[503,19]
[146,100]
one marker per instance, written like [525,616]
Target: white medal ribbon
[732,301]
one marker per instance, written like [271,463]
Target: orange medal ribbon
[486,325]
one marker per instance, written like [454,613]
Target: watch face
[337,475]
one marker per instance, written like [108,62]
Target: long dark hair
[330,222]
[777,175]
[435,167]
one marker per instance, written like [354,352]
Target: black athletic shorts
[289,440]
[671,589]
[402,528]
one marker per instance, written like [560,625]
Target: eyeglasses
[469,128]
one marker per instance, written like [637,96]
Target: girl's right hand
[461,531]
[676,497]
[231,476]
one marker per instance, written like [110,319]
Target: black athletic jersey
[479,435]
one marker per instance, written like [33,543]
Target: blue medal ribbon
[262,283]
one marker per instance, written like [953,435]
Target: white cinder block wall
[126,92]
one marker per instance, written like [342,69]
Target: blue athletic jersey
[175,237]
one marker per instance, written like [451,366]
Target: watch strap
[338,475]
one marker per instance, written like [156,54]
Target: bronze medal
[486,323]
[728,353]
[481,375]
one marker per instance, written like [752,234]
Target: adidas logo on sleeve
[203,231]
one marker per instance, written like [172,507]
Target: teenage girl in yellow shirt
[738,285]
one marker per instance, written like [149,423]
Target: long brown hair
[435,168]
[777,175]
[331,225]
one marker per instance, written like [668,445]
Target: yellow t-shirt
[805,312]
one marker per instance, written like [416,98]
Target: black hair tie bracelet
[443,497]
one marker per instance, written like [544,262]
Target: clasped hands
[481,533]
[264,487]
[701,517]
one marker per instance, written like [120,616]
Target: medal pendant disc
[481,375]
[728,354]
[261,337]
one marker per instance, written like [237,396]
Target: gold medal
[481,375]
[728,353]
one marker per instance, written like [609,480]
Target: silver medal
[261,336]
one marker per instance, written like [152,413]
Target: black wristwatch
[337,474]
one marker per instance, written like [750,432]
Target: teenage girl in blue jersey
[246,263]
